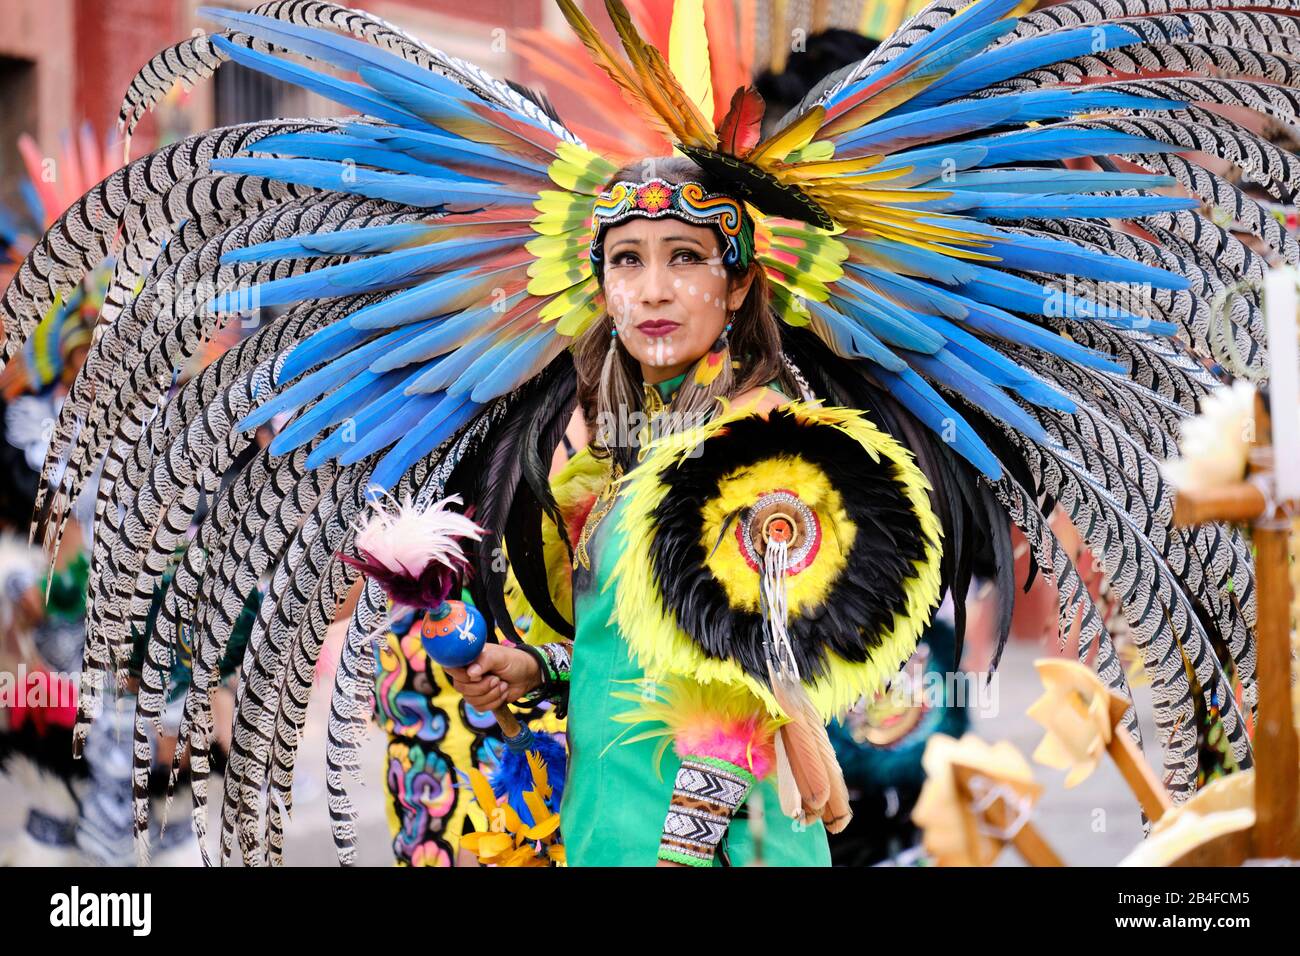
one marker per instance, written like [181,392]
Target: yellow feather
[556,275]
[482,790]
[818,150]
[580,315]
[605,58]
[676,704]
[565,301]
[563,246]
[793,172]
[688,53]
[797,134]
[658,84]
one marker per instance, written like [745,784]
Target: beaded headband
[656,198]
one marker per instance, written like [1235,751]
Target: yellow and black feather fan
[859,544]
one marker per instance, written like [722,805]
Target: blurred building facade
[63,62]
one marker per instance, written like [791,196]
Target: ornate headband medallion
[656,198]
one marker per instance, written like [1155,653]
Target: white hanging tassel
[780,650]
[809,782]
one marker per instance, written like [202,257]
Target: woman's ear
[737,289]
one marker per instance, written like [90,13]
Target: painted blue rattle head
[453,633]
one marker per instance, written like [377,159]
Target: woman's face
[668,292]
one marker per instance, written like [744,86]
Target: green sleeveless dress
[615,798]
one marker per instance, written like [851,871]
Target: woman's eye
[686,256]
[624,259]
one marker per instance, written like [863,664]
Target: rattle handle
[507,721]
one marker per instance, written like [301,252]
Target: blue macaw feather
[993,66]
[955,41]
[322,345]
[324,379]
[1064,206]
[1042,143]
[1030,389]
[911,260]
[355,393]
[438,425]
[10,228]
[453,332]
[930,161]
[395,84]
[989,320]
[977,15]
[894,326]
[432,146]
[448,292]
[1033,180]
[848,338]
[372,428]
[954,204]
[507,363]
[954,374]
[909,293]
[345,92]
[1058,257]
[1037,106]
[1012,292]
[899,132]
[920,398]
[32,200]
[342,51]
[419,191]
[438,111]
[346,242]
[339,147]
[385,271]
[514,777]
[442,376]
[997,368]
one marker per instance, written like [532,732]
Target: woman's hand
[500,675]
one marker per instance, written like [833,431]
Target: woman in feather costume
[944,282]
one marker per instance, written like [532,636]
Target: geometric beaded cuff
[559,661]
[555,661]
[706,795]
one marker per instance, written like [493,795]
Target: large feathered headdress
[938,225]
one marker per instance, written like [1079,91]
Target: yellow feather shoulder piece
[859,545]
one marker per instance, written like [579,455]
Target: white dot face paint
[666,291]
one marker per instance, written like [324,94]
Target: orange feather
[658,84]
[617,71]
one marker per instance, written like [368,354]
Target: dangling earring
[711,378]
[611,356]
[716,360]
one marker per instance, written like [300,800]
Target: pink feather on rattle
[414,554]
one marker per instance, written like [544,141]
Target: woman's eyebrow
[625,242]
[691,239]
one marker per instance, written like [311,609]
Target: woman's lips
[656,328]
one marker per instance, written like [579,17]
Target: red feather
[741,128]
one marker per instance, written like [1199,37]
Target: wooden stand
[1133,767]
[1276,832]
[1020,833]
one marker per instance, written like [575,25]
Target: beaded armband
[555,660]
[706,795]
